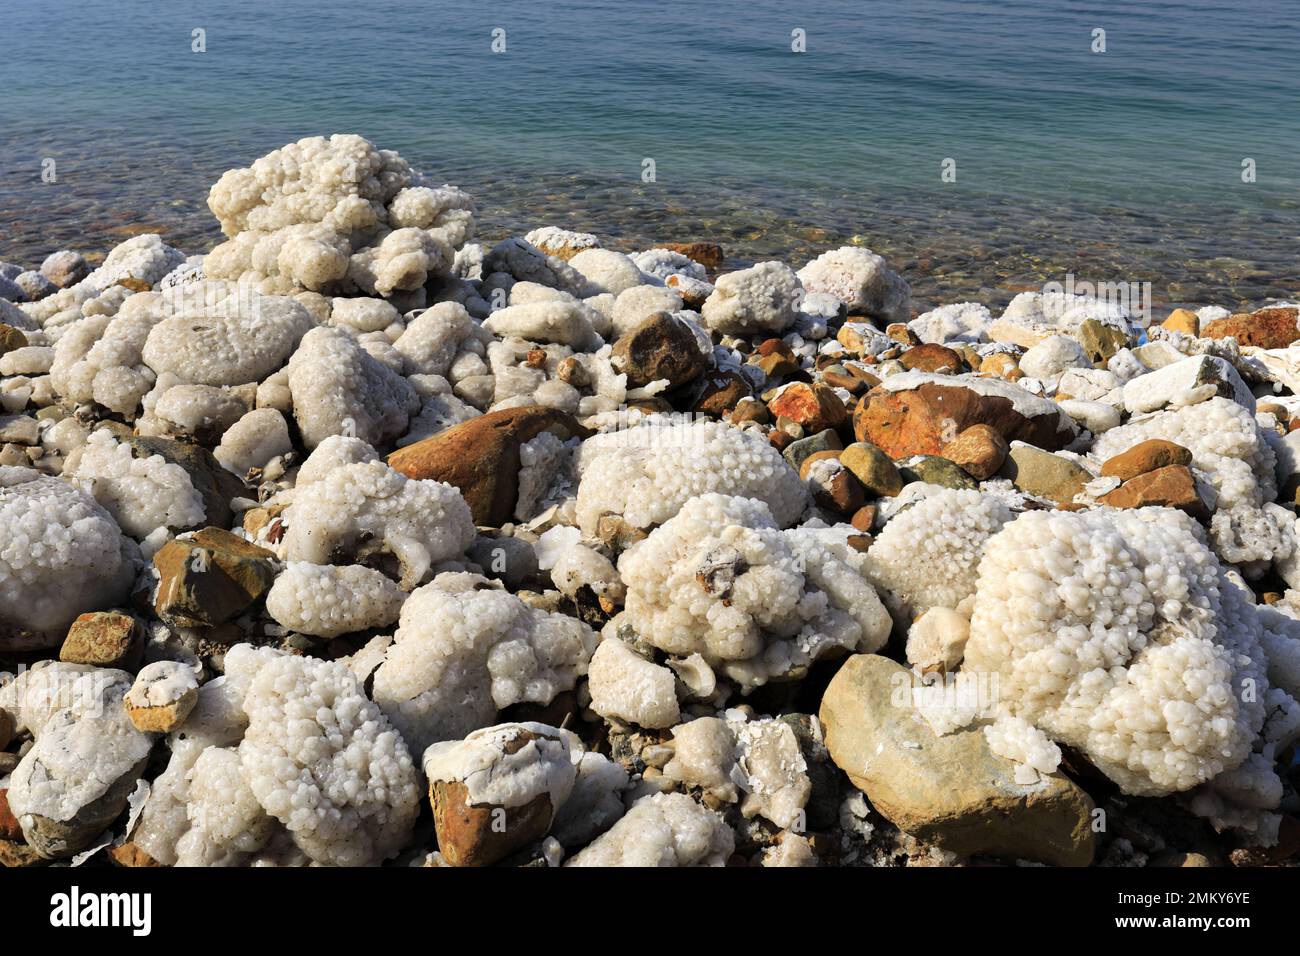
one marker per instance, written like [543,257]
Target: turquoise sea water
[1122,165]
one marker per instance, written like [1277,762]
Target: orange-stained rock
[128,854]
[1273,328]
[932,357]
[979,451]
[481,456]
[9,826]
[920,420]
[1145,456]
[707,254]
[1183,320]
[1003,365]
[1170,487]
[814,406]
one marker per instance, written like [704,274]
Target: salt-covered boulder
[666,829]
[1187,382]
[162,696]
[762,298]
[326,601]
[862,280]
[627,687]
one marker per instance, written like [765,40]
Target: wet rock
[707,254]
[481,456]
[209,577]
[951,790]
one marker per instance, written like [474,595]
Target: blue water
[1123,164]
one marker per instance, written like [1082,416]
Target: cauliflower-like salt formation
[323,760]
[227,824]
[338,388]
[1021,742]
[928,555]
[142,494]
[1117,632]
[334,452]
[463,650]
[720,578]
[61,554]
[367,510]
[333,215]
[326,601]
[625,686]
[646,473]
[666,829]
[1225,443]
[861,279]
[763,298]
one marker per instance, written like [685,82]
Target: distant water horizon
[1118,165]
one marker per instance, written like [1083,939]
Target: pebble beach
[373,526]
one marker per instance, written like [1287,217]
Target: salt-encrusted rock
[561,243]
[19,429]
[929,555]
[722,580]
[626,686]
[338,388]
[1187,382]
[31,360]
[666,829]
[1044,475]
[949,789]
[60,554]
[558,321]
[524,262]
[162,696]
[978,450]
[463,650]
[201,412]
[762,298]
[87,757]
[1226,445]
[482,457]
[1144,457]
[934,470]
[862,280]
[646,473]
[937,640]
[253,440]
[1050,358]
[331,214]
[956,322]
[104,639]
[65,268]
[1118,633]
[209,577]
[1273,328]
[34,285]
[342,783]
[916,413]
[1173,486]
[326,601]
[232,341]
[660,348]
[498,790]
[141,493]
[367,513]
[595,803]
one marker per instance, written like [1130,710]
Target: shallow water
[1120,166]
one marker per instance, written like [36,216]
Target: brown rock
[837,376]
[10,828]
[210,577]
[900,333]
[830,454]
[864,518]
[481,456]
[932,357]
[750,409]
[18,855]
[661,347]
[104,639]
[839,491]
[707,254]
[1273,328]
[721,393]
[1145,456]
[1003,365]
[922,419]
[7,727]
[1183,320]
[979,451]
[573,372]
[813,406]
[163,718]
[1170,487]
[11,338]
[873,468]
[951,790]
[861,372]
[693,295]
[128,854]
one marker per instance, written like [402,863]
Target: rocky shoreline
[354,541]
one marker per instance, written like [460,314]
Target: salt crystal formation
[753,566]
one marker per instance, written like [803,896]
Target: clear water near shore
[1117,166]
